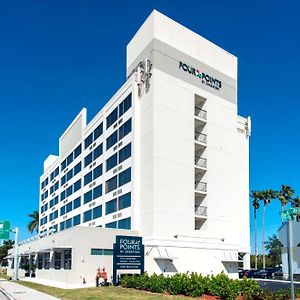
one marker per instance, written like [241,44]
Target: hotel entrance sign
[128,255]
[4,230]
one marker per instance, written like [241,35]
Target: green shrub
[249,288]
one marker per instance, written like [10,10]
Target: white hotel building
[167,158]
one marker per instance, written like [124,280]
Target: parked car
[267,273]
[278,274]
[247,273]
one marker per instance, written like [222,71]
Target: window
[47,260]
[69,158]
[97,191]
[69,174]
[97,212]
[111,184]
[124,223]
[124,153]
[76,220]
[98,131]
[112,118]
[76,203]
[54,173]
[125,105]
[88,178]
[97,172]
[63,180]
[62,210]
[125,129]
[98,152]
[88,141]
[67,259]
[101,251]
[87,197]
[69,207]
[125,177]
[77,185]
[88,159]
[111,162]
[69,191]
[63,165]
[111,206]
[111,225]
[62,195]
[40,261]
[57,260]
[77,168]
[111,140]
[68,223]
[87,216]
[77,151]
[62,226]
[125,201]
[44,183]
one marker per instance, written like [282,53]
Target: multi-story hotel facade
[167,158]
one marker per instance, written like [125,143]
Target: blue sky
[59,56]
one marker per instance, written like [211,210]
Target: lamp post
[16,253]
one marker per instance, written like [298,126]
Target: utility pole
[255,237]
[263,236]
[290,255]
[16,253]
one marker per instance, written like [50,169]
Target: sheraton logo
[205,78]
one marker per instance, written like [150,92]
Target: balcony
[200,137]
[200,186]
[201,211]
[200,113]
[201,162]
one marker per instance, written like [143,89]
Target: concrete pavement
[10,290]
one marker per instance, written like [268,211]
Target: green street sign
[290,213]
[4,230]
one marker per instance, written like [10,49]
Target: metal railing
[200,162]
[201,113]
[201,210]
[200,186]
[200,137]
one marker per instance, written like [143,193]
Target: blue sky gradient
[59,56]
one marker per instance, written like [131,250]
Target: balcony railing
[200,186]
[200,137]
[201,210]
[201,113]
[200,162]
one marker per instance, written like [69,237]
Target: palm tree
[266,196]
[255,195]
[285,195]
[33,225]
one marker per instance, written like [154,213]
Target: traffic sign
[4,230]
[290,213]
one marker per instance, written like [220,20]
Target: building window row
[44,195]
[43,221]
[92,214]
[44,208]
[121,224]
[93,136]
[70,190]
[54,187]
[53,215]
[118,134]
[54,173]
[118,157]
[53,201]
[118,204]
[61,259]
[92,194]
[119,111]
[70,174]
[96,251]
[92,175]
[44,183]
[71,157]
[70,206]
[97,152]
[70,223]
[118,180]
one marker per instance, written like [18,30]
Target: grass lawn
[105,293]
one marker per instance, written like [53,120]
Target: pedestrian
[98,275]
[104,276]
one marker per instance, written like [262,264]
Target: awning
[161,253]
[230,256]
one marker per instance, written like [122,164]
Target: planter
[27,274]
[32,275]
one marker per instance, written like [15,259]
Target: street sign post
[128,255]
[289,215]
[4,230]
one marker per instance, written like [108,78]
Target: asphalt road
[274,285]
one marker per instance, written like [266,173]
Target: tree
[266,196]
[273,246]
[33,225]
[4,251]
[285,195]
[256,196]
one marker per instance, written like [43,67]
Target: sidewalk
[14,291]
